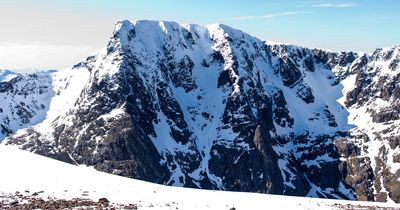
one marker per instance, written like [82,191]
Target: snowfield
[24,171]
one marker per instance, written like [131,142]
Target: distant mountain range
[212,107]
[7,75]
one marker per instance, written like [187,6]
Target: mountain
[212,107]
[40,182]
[25,99]
[7,75]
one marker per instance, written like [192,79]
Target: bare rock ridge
[215,108]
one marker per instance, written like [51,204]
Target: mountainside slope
[215,108]
[39,178]
[29,99]
[25,100]
[372,150]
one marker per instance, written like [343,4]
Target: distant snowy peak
[7,75]
[386,60]
[25,100]
[36,99]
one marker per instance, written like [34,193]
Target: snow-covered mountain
[7,75]
[25,100]
[215,108]
[35,179]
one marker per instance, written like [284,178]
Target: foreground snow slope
[23,171]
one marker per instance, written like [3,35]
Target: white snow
[7,75]
[36,103]
[53,94]
[67,85]
[348,85]
[360,115]
[28,171]
[113,113]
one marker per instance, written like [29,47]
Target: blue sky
[84,26]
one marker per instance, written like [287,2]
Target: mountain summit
[215,108]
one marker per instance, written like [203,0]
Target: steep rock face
[372,98]
[212,107]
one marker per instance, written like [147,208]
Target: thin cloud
[21,56]
[267,16]
[331,5]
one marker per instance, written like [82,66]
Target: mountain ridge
[213,107]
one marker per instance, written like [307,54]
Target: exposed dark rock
[173,111]
[327,175]
[394,193]
[305,93]
[394,141]
[381,197]
[346,148]
[280,113]
[330,117]
[30,202]
[223,78]
[309,63]
[385,115]
[358,173]
[289,72]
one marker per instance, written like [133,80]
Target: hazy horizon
[45,34]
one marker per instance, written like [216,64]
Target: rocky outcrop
[25,200]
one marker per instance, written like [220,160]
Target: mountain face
[24,100]
[215,108]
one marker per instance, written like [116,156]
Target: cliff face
[213,107]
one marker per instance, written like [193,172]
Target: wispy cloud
[267,16]
[333,5]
